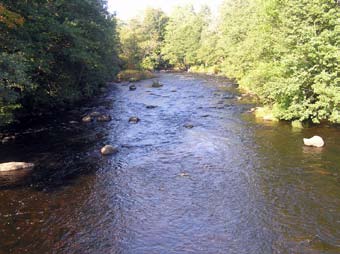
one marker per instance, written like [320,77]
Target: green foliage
[311,61]
[68,49]
[142,39]
[182,38]
[287,52]
[13,83]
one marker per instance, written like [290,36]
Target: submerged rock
[189,126]
[132,88]
[134,119]
[151,106]
[315,141]
[12,166]
[104,118]
[108,150]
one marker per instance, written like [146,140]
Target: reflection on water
[228,185]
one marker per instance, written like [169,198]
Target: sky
[126,9]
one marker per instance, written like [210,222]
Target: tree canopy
[54,53]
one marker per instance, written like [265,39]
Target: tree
[142,39]
[182,38]
[67,50]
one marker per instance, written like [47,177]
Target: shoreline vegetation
[54,54]
[287,53]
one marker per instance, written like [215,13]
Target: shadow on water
[62,150]
[196,175]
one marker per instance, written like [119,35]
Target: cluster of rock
[99,117]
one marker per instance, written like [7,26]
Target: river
[230,184]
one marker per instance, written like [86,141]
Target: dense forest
[54,53]
[285,52]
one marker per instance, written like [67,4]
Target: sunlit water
[228,185]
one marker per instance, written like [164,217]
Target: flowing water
[227,185]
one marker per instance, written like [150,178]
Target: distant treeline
[285,51]
[53,53]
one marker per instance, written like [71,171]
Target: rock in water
[132,88]
[134,119]
[12,166]
[87,119]
[95,114]
[104,118]
[156,84]
[189,126]
[108,150]
[151,106]
[315,141]
[7,139]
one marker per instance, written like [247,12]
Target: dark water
[228,185]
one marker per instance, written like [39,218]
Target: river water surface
[228,185]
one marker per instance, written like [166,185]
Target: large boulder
[315,141]
[108,150]
[12,166]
